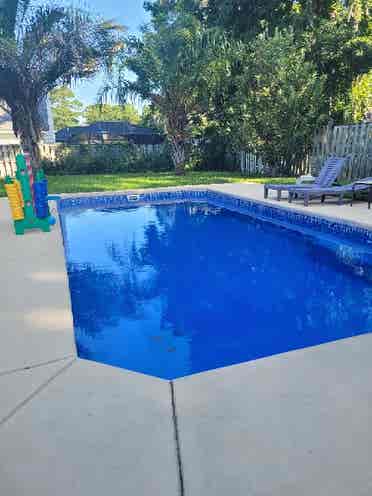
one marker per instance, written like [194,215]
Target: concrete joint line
[36,392]
[177,439]
[41,364]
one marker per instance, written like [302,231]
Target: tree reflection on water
[218,288]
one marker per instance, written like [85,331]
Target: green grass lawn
[115,182]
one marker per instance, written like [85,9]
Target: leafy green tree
[107,112]
[282,101]
[361,98]
[275,100]
[243,19]
[341,55]
[338,34]
[66,108]
[42,49]
[151,118]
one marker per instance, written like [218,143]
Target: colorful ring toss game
[28,198]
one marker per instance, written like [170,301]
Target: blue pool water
[171,290]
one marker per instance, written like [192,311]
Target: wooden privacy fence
[352,140]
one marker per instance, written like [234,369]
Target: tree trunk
[30,146]
[178,155]
[26,127]
[176,127]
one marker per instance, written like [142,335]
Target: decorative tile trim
[293,219]
[122,199]
[290,218]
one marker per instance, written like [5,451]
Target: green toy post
[30,220]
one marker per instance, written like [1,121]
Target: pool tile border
[291,218]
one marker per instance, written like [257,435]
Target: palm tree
[42,48]
[169,63]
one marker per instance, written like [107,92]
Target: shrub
[106,159]
[214,153]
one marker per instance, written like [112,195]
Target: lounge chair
[317,192]
[327,176]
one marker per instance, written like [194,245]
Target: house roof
[67,133]
[138,134]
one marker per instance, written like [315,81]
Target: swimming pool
[179,284]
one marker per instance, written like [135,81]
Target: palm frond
[41,25]
[12,15]
[23,8]
[62,45]
[8,16]
[55,45]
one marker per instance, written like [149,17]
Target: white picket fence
[252,165]
[8,157]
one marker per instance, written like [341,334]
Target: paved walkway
[358,213]
[292,424]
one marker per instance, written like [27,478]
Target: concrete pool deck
[293,424]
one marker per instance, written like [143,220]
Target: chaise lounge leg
[290,197]
[323,198]
[266,191]
[279,194]
[306,199]
[340,199]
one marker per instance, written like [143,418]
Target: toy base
[52,220]
[20,226]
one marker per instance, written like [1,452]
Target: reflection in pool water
[176,289]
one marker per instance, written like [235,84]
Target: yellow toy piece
[15,200]
[19,188]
